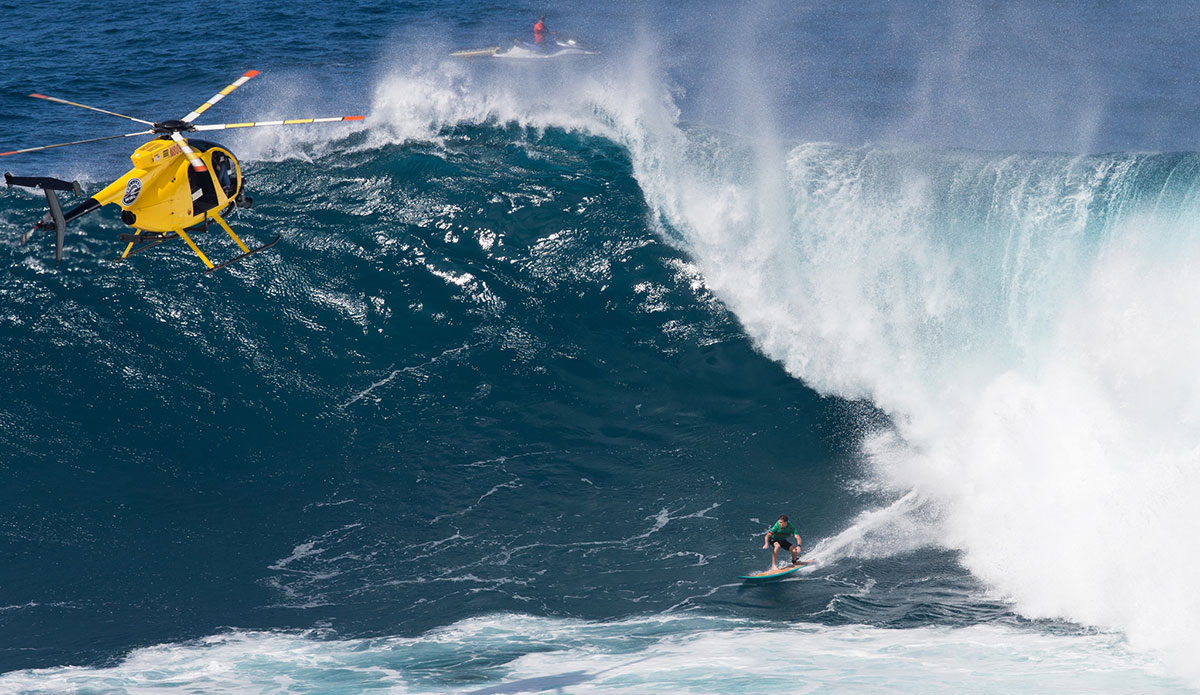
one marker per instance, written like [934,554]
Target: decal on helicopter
[131,192]
[157,200]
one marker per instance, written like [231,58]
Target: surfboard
[771,575]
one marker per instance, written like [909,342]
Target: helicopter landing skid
[144,242]
[247,254]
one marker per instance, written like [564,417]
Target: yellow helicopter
[176,186]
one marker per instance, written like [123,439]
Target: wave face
[544,350]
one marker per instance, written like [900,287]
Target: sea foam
[517,653]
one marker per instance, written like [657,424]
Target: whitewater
[997,338]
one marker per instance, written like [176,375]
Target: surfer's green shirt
[778,531]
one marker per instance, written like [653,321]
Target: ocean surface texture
[548,343]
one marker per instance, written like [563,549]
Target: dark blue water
[547,345]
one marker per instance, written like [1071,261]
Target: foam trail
[904,525]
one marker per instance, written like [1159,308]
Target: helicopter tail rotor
[55,217]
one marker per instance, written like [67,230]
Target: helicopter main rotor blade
[197,163]
[77,142]
[294,121]
[89,108]
[220,95]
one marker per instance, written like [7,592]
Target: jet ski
[522,49]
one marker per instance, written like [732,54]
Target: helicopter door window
[226,173]
[204,193]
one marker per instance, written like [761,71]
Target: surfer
[780,536]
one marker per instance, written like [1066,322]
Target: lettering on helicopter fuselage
[171,152]
[132,190]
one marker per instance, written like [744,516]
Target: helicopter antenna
[89,108]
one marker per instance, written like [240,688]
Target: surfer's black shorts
[782,541]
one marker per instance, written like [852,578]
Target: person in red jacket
[539,31]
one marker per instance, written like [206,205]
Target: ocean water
[547,345]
